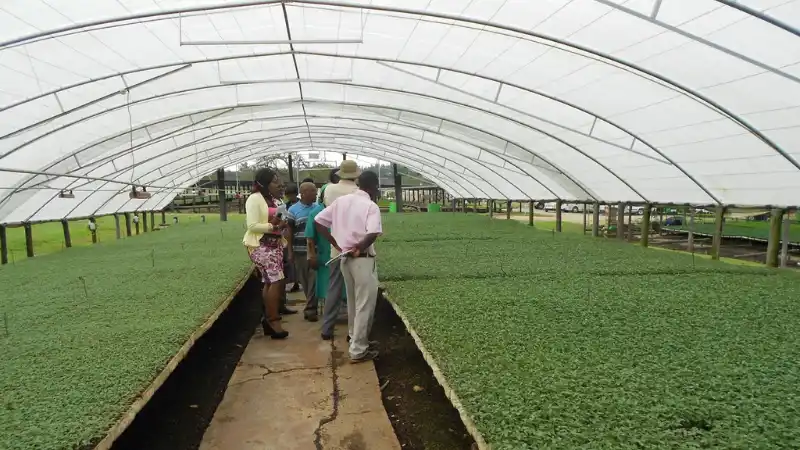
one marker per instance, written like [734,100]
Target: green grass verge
[49,237]
[557,355]
[75,358]
[742,228]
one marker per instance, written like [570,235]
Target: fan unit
[139,195]
[66,194]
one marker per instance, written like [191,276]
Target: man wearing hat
[348,172]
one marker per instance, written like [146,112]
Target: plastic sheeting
[582,100]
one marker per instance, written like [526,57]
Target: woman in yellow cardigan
[263,240]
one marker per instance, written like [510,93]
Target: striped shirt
[298,216]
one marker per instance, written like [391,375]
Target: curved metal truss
[479,103]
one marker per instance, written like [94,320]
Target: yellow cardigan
[257,220]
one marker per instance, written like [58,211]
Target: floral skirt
[269,261]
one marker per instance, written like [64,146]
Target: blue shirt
[298,215]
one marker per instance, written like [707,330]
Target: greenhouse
[528,154]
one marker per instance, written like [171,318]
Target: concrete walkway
[301,393]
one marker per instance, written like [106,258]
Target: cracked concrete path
[298,394]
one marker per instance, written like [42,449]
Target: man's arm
[374,229]
[324,220]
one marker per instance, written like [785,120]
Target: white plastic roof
[684,101]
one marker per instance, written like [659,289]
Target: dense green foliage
[590,343]
[742,228]
[84,331]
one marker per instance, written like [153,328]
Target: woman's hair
[333,177]
[262,180]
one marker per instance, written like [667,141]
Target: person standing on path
[298,248]
[319,253]
[263,240]
[355,222]
[333,178]
[347,173]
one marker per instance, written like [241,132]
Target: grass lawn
[49,237]
[562,341]
[743,228]
[84,331]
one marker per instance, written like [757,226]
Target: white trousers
[361,283]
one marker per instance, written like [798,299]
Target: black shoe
[282,335]
[284,311]
[295,288]
[327,337]
[311,317]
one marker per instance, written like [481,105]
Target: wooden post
[691,229]
[621,220]
[558,215]
[508,210]
[164,214]
[630,222]
[716,243]
[490,202]
[28,239]
[3,245]
[585,218]
[152,220]
[596,219]
[144,221]
[531,205]
[67,237]
[787,222]
[453,205]
[223,201]
[398,188]
[116,225]
[648,208]
[128,224]
[289,163]
[773,244]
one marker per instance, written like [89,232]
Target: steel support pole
[490,204]
[719,225]
[144,221]
[3,245]
[774,242]
[648,209]
[28,239]
[117,227]
[223,201]
[621,221]
[530,212]
[691,229]
[558,215]
[596,219]
[585,217]
[508,210]
[67,237]
[128,224]
[787,223]
[164,216]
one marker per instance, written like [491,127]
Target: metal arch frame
[189,181]
[579,185]
[506,158]
[761,16]
[294,130]
[394,121]
[532,91]
[602,56]
[212,162]
[476,108]
[254,142]
[274,140]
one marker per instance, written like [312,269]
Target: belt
[360,256]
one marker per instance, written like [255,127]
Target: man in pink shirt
[355,222]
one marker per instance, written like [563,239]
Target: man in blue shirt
[298,249]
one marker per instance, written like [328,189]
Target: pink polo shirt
[351,218]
